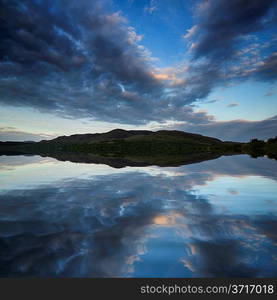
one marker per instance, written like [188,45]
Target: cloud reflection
[132,224]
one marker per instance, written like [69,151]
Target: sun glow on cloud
[167,220]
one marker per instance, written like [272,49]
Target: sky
[202,66]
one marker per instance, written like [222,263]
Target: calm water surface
[211,219]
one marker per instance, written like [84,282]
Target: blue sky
[234,102]
[162,24]
[202,66]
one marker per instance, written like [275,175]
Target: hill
[120,147]
[139,135]
[122,143]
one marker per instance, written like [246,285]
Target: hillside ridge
[126,134]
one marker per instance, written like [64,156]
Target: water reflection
[215,218]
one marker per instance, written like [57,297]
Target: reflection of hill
[120,162]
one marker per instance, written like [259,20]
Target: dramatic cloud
[73,58]
[222,42]
[224,23]
[81,59]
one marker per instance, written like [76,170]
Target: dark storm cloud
[74,57]
[221,47]
[223,53]
[80,59]
[224,22]
[69,34]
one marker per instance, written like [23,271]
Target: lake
[214,218]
